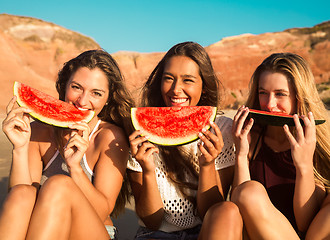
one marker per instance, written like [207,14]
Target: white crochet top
[179,212]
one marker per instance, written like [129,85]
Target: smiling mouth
[178,100]
[81,109]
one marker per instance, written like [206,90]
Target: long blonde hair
[299,74]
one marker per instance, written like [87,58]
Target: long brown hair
[178,161]
[300,76]
[119,103]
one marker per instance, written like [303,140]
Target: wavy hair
[300,76]
[194,51]
[118,106]
[178,161]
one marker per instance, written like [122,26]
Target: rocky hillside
[235,58]
[32,51]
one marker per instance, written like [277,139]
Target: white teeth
[178,100]
[83,109]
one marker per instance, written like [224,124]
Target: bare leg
[320,226]
[222,221]
[63,212]
[16,212]
[262,220]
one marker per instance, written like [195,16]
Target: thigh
[16,212]
[62,211]
[319,228]
[261,218]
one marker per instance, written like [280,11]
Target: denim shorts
[187,234]
[112,230]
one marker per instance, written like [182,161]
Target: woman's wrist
[306,170]
[21,151]
[75,169]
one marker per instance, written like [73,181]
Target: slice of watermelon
[275,118]
[172,125]
[48,109]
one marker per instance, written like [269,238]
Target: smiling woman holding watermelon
[282,173]
[80,168]
[174,186]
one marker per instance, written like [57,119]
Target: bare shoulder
[109,132]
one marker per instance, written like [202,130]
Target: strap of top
[84,157]
[94,129]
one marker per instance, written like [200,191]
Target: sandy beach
[126,223]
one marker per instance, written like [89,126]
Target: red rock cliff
[32,51]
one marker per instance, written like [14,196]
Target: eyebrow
[95,89]
[184,75]
[276,90]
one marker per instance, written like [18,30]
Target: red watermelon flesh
[49,109]
[172,125]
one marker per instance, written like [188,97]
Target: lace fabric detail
[179,211]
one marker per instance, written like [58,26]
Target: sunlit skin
[276,94]
[181,85]
[181,82]
[86,94]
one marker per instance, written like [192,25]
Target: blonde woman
[282,173]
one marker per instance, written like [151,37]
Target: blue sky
[155,26]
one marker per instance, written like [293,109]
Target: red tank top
[277,173]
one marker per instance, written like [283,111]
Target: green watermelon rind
[42,118]
[275,119]
[169,141]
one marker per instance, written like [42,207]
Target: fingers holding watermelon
[82,128]
[77,144]
[16,125]
[142,150]
[303,144]
[211,145]
[241,131]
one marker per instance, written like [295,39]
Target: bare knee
[222,219]
[56,188]
[249,195]
[21,196]
[224,210]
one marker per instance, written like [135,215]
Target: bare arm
[307,196]
[17,128]
[241,135]
[148,202]
[110,150]
[208,192]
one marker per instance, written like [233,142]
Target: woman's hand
[77,144]
[16,125]
[210,146]
[304,143]
[142,151]
[241,132]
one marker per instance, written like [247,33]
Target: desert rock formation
[32,51]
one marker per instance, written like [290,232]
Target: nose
[271,103]
[177,87]
[83,99]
